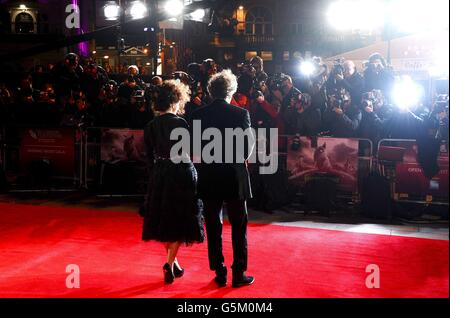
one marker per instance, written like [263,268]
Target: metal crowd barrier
[397,161]
[112,177]
[365,165]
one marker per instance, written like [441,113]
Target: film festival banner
[55,146]
[337,158]
[410,176]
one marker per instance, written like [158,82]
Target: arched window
[259,21]
[24,23]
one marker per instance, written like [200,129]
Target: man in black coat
[225,181]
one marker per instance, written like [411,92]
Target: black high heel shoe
[178,271]
[169,276]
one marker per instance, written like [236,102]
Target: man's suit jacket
[224,181]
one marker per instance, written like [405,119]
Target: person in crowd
[378,76]
[6,103]
[228,183]
[133,71]
[351,81]
[66,78]
[172,212]
[307,120]
[289,94]
[157,81]
[111,112]
[261,77]
[376,114]
[317,87]
[342,118]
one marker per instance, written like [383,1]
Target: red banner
[57,146]
[410,177]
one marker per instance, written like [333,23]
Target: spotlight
[174,7]
[307,68]
[407,93]
[111,11]
[138,10]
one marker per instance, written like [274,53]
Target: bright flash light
[307,68]
[416,15]
[22,7]
[174,7]
[111,11]
[404,15]
[198,15]
[364,15]
[440,66]
[138,10]
[407,93]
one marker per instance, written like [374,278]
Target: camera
[275,83]
[336,101]
[338,68]
[139,96]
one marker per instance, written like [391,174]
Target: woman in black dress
[172,213]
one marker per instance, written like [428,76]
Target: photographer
[342,119]
[376,114]
[111,113]
[438,119]
[301,118]
[6,101]
[378,76]
[345,76]
[66,78]
[289,92]
[131,98]
[261,77]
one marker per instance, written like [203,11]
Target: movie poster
[334,157]
[411,178]
[123,145]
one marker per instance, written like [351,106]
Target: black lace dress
[172,212]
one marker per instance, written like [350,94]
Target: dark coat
[224,181]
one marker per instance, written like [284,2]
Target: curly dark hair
[169,94]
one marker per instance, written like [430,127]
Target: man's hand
[369,109]
[338,111]
[197,101]
[339,77]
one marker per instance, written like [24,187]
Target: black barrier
[415,176]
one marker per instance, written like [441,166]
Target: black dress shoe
[178,271]
[169,277]
[221,277]
[242,280]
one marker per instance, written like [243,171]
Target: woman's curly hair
[169,94]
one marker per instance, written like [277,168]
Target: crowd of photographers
[337,101]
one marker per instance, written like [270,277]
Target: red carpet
[37,243]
